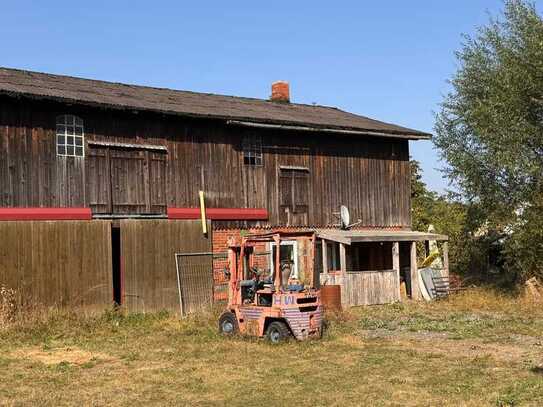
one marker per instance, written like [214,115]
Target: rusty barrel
[331,297]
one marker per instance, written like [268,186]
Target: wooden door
[293,196]
[98,180]
[157,182]
[126,181]
[129,181]
[63,263]
[148,250]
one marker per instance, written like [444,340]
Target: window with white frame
[252,150]
[288,253]
[70,135]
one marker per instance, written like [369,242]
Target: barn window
[252,150]
[70,133]
[294,188]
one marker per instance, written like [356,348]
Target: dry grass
[476,349]
[8,307]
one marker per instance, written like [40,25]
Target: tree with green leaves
[490,130]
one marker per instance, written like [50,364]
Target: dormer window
[252,150]
[70,134]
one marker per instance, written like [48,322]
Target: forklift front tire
[228,324]
[277,332]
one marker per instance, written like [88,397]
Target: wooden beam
[396,265]
[324,258]
[334,238]
[414,273]
[342,259]
[446,258]
[394,237]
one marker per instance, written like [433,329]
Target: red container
[331,297]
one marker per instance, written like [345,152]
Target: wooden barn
[100,181]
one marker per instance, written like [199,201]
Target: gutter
[326,130]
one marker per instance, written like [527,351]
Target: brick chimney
[280,92]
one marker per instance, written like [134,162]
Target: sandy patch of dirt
[58,355]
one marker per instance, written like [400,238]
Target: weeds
[8,306]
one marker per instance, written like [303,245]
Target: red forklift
[272,304]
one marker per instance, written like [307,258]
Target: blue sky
[385,59]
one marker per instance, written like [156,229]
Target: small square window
[252,150]
[70,133]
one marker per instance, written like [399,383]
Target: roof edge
[361,132]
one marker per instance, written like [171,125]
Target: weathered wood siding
[57,263]
[369,175]
[148,249]
[366,287]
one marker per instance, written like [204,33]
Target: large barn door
[62,263]
[129,183]
[148,256]
[126,180]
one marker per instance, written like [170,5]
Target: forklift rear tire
[228,324]
[277,332]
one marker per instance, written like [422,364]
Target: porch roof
[355,236]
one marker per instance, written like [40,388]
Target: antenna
[345,218]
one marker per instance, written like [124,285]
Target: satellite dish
[345,217]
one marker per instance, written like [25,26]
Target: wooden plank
[446,259]
[414,273]
[342,258]
[396,264]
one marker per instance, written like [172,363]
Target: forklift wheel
[228,324]
[277,332]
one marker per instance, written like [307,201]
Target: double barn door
[126,181]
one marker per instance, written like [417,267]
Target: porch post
[396,266]
[414,273]
[324,259]
[345,286]
[446,259]
[342,259]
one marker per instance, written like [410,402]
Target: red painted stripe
[219,213]
[45,214]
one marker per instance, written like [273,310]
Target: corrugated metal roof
[123,96]
[354,236]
